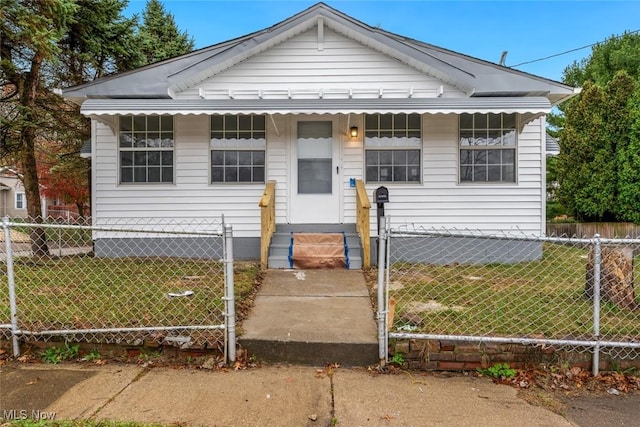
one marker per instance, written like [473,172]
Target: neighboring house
[552,146]
[13,201]
[552,150]
[316,103]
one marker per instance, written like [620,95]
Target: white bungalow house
[321,109]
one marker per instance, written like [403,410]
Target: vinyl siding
[190,197]
[278,162]
[8,198]
[299,66]
[439,201]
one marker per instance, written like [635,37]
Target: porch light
[353,132]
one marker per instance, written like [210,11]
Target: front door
[315,171]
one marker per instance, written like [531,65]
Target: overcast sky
[528,30]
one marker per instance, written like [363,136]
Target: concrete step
[280,259]
[284,239]
[312,317]
[281,241]
[312,353]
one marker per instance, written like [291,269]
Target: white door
[315,171]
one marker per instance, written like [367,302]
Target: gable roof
[476,77]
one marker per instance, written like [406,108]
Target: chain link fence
[126,281]
[577,293]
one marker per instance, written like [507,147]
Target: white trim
[516,153]
[543,176]
[320,33]
[337,180]
[94,162]
[111,107]
[23,200]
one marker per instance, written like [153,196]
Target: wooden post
[616,277]
[267,221]
[362,222]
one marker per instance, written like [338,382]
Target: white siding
[298,65]
[190,197]
[439,201]
[353,167]
[278,162]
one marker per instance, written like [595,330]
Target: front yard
[84,292]
[540,298]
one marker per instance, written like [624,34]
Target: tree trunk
[80,207]
[28,157]
[616,277]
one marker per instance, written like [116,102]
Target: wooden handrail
[363,206]
[267,220]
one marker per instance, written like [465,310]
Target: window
[392,147]
[21,201]
[238,146]
[146,149]
[488,147]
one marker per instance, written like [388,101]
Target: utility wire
[569,51]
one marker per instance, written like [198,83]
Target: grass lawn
[544,297]
[78,292]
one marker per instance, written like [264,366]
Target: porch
[276,239]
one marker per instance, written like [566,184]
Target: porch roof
[112,107]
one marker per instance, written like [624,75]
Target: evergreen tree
[45,45]
[628,203]
[598,154]
[100,41]
[159,37]
[30,33]
[584,167]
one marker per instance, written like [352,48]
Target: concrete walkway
[312,317]
[266,396]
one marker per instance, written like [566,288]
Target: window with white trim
[392,145]
[238,144]
[146,149]
[488,148]
[21,201]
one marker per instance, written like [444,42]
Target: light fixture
[353,132]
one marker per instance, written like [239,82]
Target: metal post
[12,286]
[381,315]
[230,293]
[597,259]
[60,240]
[386,281]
